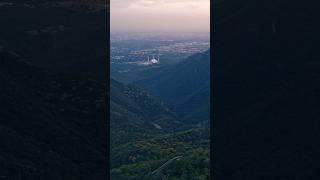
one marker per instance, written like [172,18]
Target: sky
[160,15]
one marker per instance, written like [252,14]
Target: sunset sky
[160,15]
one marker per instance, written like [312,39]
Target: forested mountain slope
[185,86]
[141,159]
[155,135]
[145,133]
[134,112]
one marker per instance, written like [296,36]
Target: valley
[160,118]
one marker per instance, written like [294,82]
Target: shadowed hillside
[184,86]
[146,132]
[135,115]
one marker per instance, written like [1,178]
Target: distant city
[135,48]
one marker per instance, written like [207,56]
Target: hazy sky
[160,15]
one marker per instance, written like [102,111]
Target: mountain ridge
[184,86]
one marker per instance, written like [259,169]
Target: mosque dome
[154,61]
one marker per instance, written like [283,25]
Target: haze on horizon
[160,15]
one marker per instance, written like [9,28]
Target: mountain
[135,113]
[145,133]
[266,90]
[185,86]
[52,124]
[147,129]
[141,159]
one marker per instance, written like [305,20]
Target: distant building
[153,60]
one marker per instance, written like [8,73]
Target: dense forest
[154,138]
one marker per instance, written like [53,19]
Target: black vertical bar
[108,88]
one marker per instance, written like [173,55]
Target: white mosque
[153,60]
